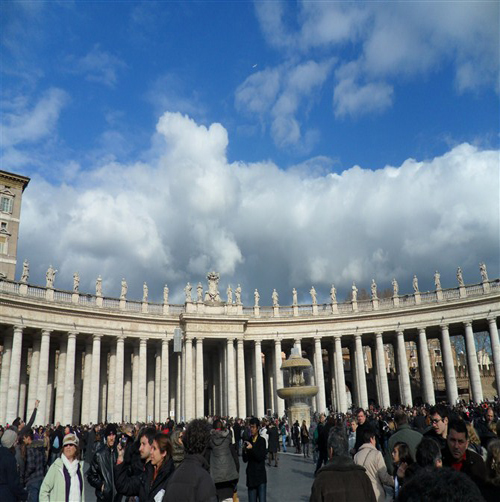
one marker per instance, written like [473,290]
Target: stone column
[425,368]
[332,368]
[183,379]
[448,366]
[178,391]
[127,385]
[111,390]
[87,382]
[354,375]
[61,377]
[50,389]
[231,380]
[495,350]
[157,385]
[77,403]
[297,344]
[23,387]
[384,398]
[4,376]
[119,379]
[164,384]
[94,379]
[320,375]
[200,382]
[43,377]
[360,368]
[14,374]
[279,376]
[150,385]
[69,379]
[33,380]
[135,383]
[103,380]
[142,387]
[259,380]
[404,372]
[242,395]
[188,386]
[339,375]
[474,376]
[268,382]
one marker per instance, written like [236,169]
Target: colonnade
[87,378]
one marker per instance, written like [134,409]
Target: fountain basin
[298,391]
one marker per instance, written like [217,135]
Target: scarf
[73,478]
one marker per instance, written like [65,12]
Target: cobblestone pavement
[290,482]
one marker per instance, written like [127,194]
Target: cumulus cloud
[189,210]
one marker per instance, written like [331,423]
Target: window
[6,204]
[3,245]
[4,225]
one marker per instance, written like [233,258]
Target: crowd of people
[404,454]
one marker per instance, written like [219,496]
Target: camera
[123,440]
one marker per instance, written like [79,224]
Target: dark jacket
[473,464]
[273,441]
[36,463]
[11,489]
[27,427]
[342,481]
[191,482]
[143,485]
[256,458]
[222,456]
[101,472]
[359,434]
[59,434]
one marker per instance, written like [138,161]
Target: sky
[282,144]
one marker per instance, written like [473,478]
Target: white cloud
[188,211]
[24,124]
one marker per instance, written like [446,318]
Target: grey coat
[224,464]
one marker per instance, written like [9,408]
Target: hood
[219,437]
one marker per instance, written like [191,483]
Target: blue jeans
[258,493]
[34,490]
[284,444]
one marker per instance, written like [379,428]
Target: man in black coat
[363,425]
[254,453]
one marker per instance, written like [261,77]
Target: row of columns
[133,386]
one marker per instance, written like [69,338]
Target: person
[56,440]
[23,428]
[224,463]
[272,432]
[34,465]
[458,456]
[64,479]
[360,429]
[101,473]
[254,455]
[11,489]
[304,438]
[491,486]
[439,421]
[401,459]
[321,435]
[404,434]
[486,427]
[296,436]
[284,435]
[151,484]
[178,446]
[191,481]
[371,459]
[341,478]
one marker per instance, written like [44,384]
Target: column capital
[230,340]
[337,337]
[421,330]
[297,340]
[277,339]
[492,319]
[121,338]
[257,343]
[400,332]
[468,324]
[164,341]
[240,341]
[96,337]
[199,339]
[72,334]
[444,326]
[378,334]
[143,341]
[17,327]
[357,336]
[46,332]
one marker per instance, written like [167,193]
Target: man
[321,438]
[23,428]
[254,453]
[404,434]
[56,440]
[439,422]
[362,426]
[371,459]
[459,457]
[11,488]
[486,427]
[341,479]
[101,472]
[273,445]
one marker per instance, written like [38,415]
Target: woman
[150,485]
[64,480]
[401,459]
[491,487]
[304,438]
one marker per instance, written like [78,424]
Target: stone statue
[415,284]
[50,276]
[199,292]
[76,282]
[212,295]
[354,292]
[333,294]
[312,291]
[275,298]
[165,295]
[374,289]
[187,291]
[294,297]
[437,280]
[237,294]
[460,278]
[483,271]
[256,297]
[229,293]
[145,292]
[98,286]
[26,271]
[123,292]
[395,287]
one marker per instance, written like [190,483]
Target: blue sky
[283,144]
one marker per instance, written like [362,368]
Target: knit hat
[110,429]
[70,439]
[9,438]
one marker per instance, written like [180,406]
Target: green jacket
[54,486]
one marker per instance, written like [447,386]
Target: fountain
[297,393]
